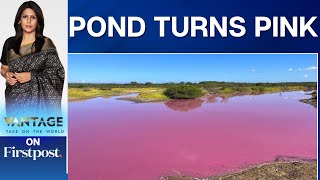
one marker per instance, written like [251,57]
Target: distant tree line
[204,84]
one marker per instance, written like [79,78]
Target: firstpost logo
[32,153]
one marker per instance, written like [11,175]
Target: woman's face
[28,20]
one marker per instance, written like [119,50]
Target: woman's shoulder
[48,44]
[9,42]
[6,47]
[10,39]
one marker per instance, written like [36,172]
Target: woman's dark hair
[39,29]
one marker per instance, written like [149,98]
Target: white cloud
[312,68]
[253,70]
[83,81]
[290,69]
[306,75]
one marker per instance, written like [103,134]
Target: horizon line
[181,82]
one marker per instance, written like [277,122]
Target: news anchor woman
[31,66]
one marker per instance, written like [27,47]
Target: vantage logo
[34,121]
[34,154]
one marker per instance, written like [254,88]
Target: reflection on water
[190,104]
[212,98]
[184,104]
[222,99]
[117,139]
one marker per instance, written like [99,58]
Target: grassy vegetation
[87,93]
[145,94]
[256,89]
[155,92]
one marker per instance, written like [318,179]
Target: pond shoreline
[312,101]
[156,92]
[140,99]
[299,169]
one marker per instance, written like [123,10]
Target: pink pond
[119,140]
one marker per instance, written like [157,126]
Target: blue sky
[160,68]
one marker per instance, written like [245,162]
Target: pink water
[121,140]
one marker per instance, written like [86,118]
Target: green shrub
[183,92]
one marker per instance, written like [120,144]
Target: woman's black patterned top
[42,95]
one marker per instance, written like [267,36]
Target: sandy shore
[312,101]
[294,170]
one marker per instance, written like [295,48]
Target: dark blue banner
[35,158]
[298,39]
